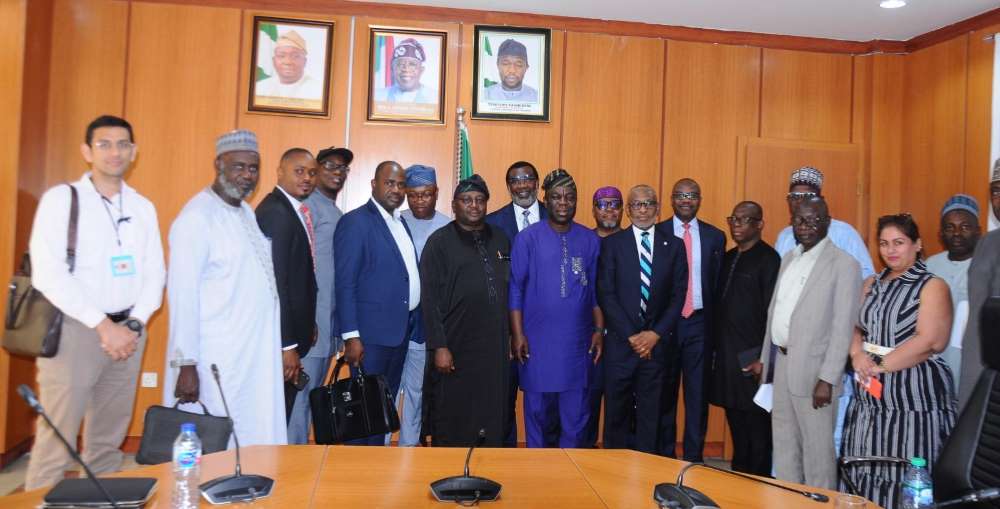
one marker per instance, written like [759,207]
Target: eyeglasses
[468,201]
[800,195]
[686,196]
[741,221]
[522,178]
[809,222]
[995,192]
[608,204]
[425,195]
[639,205]
[331,166]
[122,145]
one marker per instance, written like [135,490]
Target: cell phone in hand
[301,380]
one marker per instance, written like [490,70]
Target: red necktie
[688,309]
[312,234]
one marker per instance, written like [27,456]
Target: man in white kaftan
[224,304]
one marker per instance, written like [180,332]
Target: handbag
[33,325]
[162,424]
[356,407]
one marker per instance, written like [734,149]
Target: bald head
[387,166]
[388,185]
[750,207]
[297,172]
[816,204]
[746,224]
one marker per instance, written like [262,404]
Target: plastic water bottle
[187,468]
[917,491]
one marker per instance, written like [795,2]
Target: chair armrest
[846,462]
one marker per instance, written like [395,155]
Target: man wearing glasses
[423,220]
[334,167]
[749,273]
[686,353]
[522,211]
[106,298]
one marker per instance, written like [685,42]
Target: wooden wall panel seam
[663,125]
[562,100]
[128,35]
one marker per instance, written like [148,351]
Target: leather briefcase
[33,325]
[162,425]
[355,407]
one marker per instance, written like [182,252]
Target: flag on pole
[464,153]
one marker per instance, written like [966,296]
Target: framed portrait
[290,66]
[407,75]
[511,73]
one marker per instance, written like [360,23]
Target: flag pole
[460,123]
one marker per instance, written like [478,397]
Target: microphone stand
[32,401]
[819,497]
[467,490]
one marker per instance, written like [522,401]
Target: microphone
[676,495]
[466,489]
[32,401]
[237,487]
[975,496]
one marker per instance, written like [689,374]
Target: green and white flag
[265,50]
[464,153]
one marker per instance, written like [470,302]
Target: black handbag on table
[355,407]
[162,425]
[33,325]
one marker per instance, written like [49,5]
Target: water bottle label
[187,459]
[919,496]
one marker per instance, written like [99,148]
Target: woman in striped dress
[904,323]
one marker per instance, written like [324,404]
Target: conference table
[308,476]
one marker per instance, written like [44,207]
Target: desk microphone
[238,487]
[466,489]
[676,495]
[975,496]
[29,397]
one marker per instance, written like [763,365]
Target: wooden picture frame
[290,66]
[406,75]
[511,73]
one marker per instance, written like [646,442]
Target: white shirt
[695,258]
[306,88]
[956,274]
[297,207]
[790,287]
[533,215]
[94,289]
[638,239]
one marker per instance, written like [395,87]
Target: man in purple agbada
[556,326]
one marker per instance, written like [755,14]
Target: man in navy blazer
[287,221]
[687,353]
[377,282]
[523,209]
[641,286]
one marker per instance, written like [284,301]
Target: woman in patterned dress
[905,320]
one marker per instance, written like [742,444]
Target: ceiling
[854,20]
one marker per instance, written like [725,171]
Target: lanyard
[121,215]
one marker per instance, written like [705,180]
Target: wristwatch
[134,325]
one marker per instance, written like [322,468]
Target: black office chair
[970,458]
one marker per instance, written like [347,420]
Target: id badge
[122,266]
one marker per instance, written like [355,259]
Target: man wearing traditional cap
[959,235]
[607,211]
[423,220]
[464,271]
[407,68]
[557,328]
[512,63]
[334,166]
[290,78]
[224,307]
[994,221]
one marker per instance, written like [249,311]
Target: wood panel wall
[625,109]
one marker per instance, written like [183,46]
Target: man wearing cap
[607,211]
[423,220]
[512,63]
[557,330]
[377,281]
[994,218]
[407,68]
[959,235]
[224,306]
[522,211]
[106,296]
[288,221]
[464,271]
[334,167]
[290,78]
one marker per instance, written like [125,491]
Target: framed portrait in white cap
[406,75]
[290,66]
[511,73]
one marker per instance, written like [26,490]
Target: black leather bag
[162,425]
[33,325]
[352,408]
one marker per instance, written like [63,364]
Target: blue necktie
[645,272]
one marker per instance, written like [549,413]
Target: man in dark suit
[376,281]
[287,221]
[687,353]
[642,281]
[524,209]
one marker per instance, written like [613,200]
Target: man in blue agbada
[556,326]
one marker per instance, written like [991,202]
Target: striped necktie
[645,273]
[307,217]
[526,222]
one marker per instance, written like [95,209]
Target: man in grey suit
[984,282]
[810,323]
